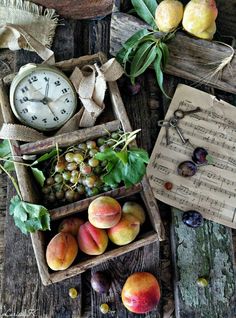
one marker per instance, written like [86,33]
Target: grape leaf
[29,217]
[9,166]
[146,10]
[39,176]
[5,149]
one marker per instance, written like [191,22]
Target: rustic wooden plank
[226,18]
[67,139]
[203,252]
[194,61]
[78,9]
[119,271]
[23,292]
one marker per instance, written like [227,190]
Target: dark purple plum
[187,169]
[200,155]
[192,219]
[101,282]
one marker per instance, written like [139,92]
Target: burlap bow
[90,84]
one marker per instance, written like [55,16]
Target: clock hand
[53,102]
[35,100]
[46,89]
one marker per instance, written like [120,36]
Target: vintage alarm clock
[42,97]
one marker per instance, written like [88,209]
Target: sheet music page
[212,190]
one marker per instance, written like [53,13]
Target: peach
[70,225]
[135,209]
[61,251]
[104,212]
[141,292]
[168,15]
[92,241]
[125,231]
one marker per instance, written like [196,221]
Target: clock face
[42,98]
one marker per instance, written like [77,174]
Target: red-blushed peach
[104,212]
[141,292]
[135,209]
[70,225]
[125,231]
[61,251]
[92,241]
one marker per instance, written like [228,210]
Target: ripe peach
[92,241]
[199,18]
[104,212]
[141,292]
[61,251]
[125,231]
[135,209]
[168,15]
[70,225]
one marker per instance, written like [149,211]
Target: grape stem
[13,182]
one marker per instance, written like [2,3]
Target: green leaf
[123,156]
[165,53]
[29,217]
[130,45]
[140,56]
[150,58]
[140,154]
[39,176]
[134,170]
[5,149]
[45,157]
[146,10]
[9,166]
[158,69]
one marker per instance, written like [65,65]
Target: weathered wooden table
[208,251]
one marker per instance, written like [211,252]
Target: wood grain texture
[24,293]
[190,58]
[203,252]
[78,9]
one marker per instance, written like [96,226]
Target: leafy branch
[28,217]
[143,49]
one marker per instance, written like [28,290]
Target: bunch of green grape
[76,174]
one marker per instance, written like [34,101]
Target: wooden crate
[152,231]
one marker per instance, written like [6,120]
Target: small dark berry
[192,219]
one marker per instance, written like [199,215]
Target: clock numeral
[24,89]
[64,90]
[67,100]
[25,110]
[34,117]
[44,120]
[24,99]
[57,83]
[46,79]
[32,79]
[63,111]
[56,118]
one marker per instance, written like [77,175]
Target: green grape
[75,173]
[76,196]
[50,181]
[98,183]
[51,198]
[93,162]
[91,144]
[89,181]
[90,192]
[78,157]
[115,135]
[58,178]
[98,170]
[82,146]
[80,189]
[73,293]
[92,152]
[69,157]
[85,169]
[59,195]
[104,308]
[103,148]
[101,141]
[60,166]
[110,143]
[74,179]
[46,190]
[70,195]
[66,175]
[71,166]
